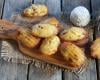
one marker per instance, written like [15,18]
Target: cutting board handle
[8,30]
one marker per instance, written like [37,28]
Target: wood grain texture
[1,7]
[54,6]
[9,71]
[69,5]
[96,15]
[95,5]
[90,73]
[38,74]
[14,7]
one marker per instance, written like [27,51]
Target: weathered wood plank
[95,7]
[68,5]
[90,73]
[38,74]
[96,15]
[13,7]
[1,7]
[9,71]
[54,6]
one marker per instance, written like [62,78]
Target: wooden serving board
[11,33]
[56,59]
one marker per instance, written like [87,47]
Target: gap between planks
[12,71]
[95,5]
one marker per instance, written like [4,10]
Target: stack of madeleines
[50,37]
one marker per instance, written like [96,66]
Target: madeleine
[27,39]
[76,35]
[50,45]
[44,30]
[36,10]
[95,49]
[73,54]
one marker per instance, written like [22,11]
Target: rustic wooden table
[11,71]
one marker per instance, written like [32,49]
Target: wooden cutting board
[56,59]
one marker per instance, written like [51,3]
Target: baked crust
[53,21]
[50,45]
[76,35]
[27,39]
[44,30]
[35,10]
[95,49]
[73,54]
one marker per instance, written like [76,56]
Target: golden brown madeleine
[54,22]
[50,45]
[27,39]
[73,54]
[44,30]
[36,10]
[76,35]
[95,49]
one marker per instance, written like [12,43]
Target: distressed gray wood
[95,7]
[96,15]
[14,7]
[1,7]
[68,5]
[38,74]
[54,6]
[90,73]
[11,71]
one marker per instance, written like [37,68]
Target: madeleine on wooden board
[53,21]
[73,54]
[95,49]
[27,39]
[50,45]
[44,30]
[76,35]
[35,10]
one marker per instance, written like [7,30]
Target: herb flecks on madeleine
[44,30]
[50,45]
[76,35]
[73,54]
[35,10]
